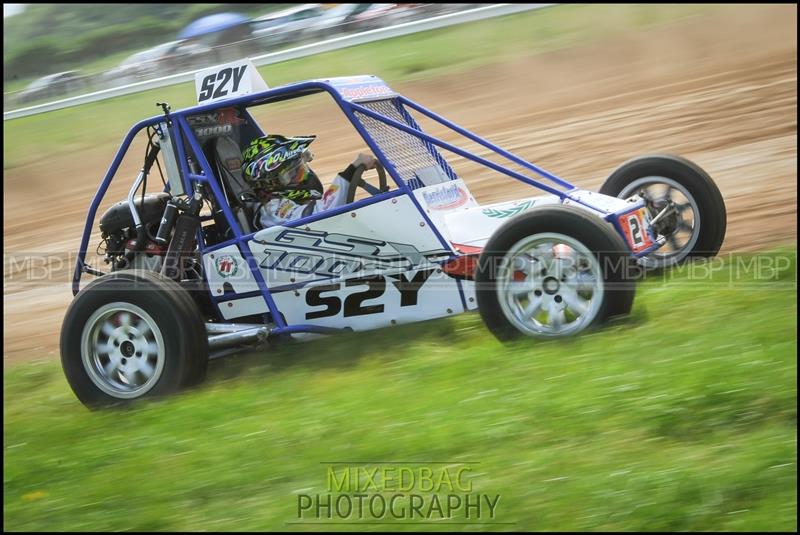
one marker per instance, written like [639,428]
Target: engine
[119,234]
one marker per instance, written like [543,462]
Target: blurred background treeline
[51,37]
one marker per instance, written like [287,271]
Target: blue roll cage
[181,130]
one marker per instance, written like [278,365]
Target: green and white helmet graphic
[268,158]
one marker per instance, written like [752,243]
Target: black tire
[174,316]
[619,271]
[711,206]
[197,337]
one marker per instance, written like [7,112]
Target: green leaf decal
[508,212]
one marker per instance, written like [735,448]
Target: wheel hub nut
[550,285]
[127,348]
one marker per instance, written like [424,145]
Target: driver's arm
[367,160]
[278,211]
[336,194]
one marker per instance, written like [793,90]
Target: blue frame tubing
[487,163]
[101,191]
[491,146]
[404,113]
[348,109]
[239,239]
[181,128]
[611,217]
[463,153]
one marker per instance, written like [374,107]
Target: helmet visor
[293,174]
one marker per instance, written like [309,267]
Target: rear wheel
[553,272]
[694,217]
[130,335]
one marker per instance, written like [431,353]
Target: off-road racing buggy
[189,278]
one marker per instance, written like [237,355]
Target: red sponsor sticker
[329,196]
[634,225]
[227,266]
[229,116]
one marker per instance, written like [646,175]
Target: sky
[12,9]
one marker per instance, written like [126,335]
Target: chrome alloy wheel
[679,223]
[550,285]
[122,350]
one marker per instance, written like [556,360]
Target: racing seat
[225,158]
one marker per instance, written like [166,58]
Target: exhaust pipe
[235,337]
[221,328]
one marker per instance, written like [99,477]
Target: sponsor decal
[208,131]
[334,255]
[365,92]
[227,81]
[329,196]
[446,198]
[281,154]
[507,212]
[407,284]
[217,123]
[284,208]
[634,225]
[226,265]
[229,116]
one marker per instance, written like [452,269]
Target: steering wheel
[357,181]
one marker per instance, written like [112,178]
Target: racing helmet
[276,163]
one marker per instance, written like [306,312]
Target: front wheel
[553,272]
[693,217]
[130,335]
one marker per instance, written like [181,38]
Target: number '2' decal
[636,230]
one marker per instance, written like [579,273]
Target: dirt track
[721,91]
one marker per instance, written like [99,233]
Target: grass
[406,58]
[681,417]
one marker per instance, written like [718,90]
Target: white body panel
[248,306]
[441,200]
[388,236]
[226,269]
[364,303]
[468,288]
[228,277]
[350,270]
[373,266]
[475,225]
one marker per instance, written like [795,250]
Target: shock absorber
[167,223]
[184,235]
[171,210]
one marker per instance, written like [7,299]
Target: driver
[277,169]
